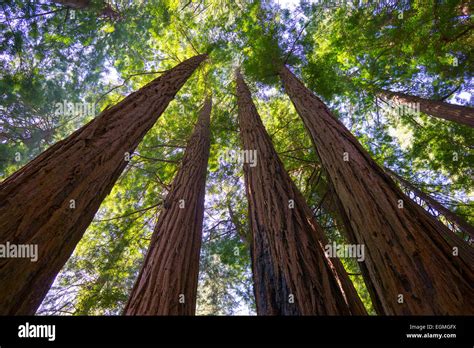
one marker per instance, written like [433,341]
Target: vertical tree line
[292,275]
[51,201]
[167,283]
[413,263]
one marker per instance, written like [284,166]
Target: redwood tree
[415,263]
[452,217]
[447,111]
[167,283]
[331,203]
[292,275]
[51,201]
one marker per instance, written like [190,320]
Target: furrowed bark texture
[447,111]
[35,201]
[333,205]
[407,251]
[288,258]
[167,284]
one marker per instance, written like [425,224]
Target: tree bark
[36,204]
[167,284]
[410,255]
[446,111]
[333,205]
[292,275]
[457,220]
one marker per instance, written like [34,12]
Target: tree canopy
[61,65]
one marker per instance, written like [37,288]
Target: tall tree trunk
[292,275]
[332,204]
[167,284]
[51,201]
[409,254]
[455,219]
[446,111]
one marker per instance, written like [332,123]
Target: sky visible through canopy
[343,53]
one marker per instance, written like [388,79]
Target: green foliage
[51,54]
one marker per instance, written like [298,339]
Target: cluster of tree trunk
[331,204]
[51,201]
[292,275]
[416,265]
[413,263]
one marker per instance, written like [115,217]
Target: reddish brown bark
[35,201]
[288,258]
[167,284]
[455,219]
[450,112]
[333,205]
[408,252]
